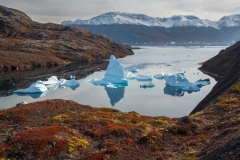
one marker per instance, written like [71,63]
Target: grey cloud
[59,10]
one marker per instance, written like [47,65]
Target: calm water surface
[160,100]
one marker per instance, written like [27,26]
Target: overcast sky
[59,10]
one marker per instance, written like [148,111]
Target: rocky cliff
[26,44]
[226,68]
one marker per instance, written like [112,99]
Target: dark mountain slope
[145,34]
[25,44]
[227,65]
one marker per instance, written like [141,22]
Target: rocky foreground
[26,44]
[60,129]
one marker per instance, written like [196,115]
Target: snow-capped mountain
[229,21]
[141,19]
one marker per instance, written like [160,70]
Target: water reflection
[33,95]
[173,91]
[115,94]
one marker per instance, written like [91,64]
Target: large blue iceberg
[179,80]
[114,74]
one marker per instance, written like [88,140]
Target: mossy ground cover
[58,129]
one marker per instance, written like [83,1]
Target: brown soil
[60,129]
[25,44]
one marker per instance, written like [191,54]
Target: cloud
[59,10]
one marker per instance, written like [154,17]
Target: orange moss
[41,142]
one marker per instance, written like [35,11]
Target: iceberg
[141,77]
[73,84]
[114,74]
[180,81]
[130,75]
[51,80]
[111,86]
[133,69]
[37,87]
[147,85]
[176,80]
[159,76]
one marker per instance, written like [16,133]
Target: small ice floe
[51,80]
[159,76]
[73,84]
[130,75]
[111,86]
[133,69]
[142,77]
[114,74]
[147,85]
[37,87]
[169,64]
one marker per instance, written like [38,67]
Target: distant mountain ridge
[113,18]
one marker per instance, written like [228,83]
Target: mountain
[26,44]
[112,18]
[142,29]
[224,67]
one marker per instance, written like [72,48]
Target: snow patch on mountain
[111,18]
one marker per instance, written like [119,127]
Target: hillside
[145,34]
[26,44]
[226,68]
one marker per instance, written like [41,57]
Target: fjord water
[159,100]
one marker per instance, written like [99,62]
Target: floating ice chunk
[169,64]
[114,74]
[111,86]
[142,77]
[159,76]
[133,69]
[73,84]
[99,82]
[130,75]
[177,80]
[37,87]
[72,77]
[160,67]
[191,88]
[147,85]
[51,80]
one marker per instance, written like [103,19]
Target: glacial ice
[159,76]
[51,80]
[37,87]
[133,69]
[111,86]
[142,77]
[130,75]
[179,80]
[114,74]
[73,84]
[147,85]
